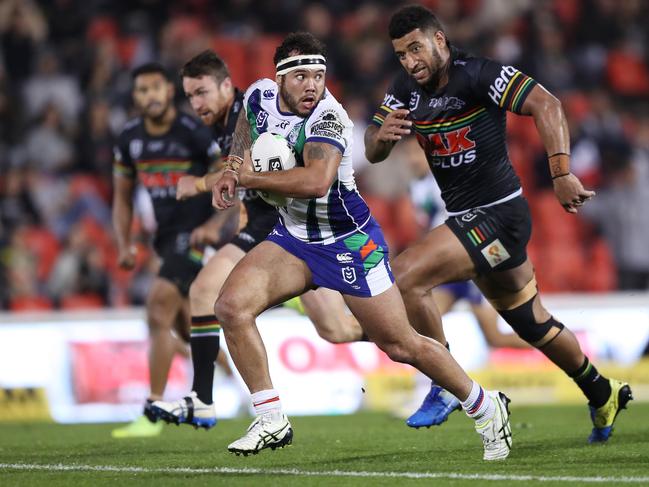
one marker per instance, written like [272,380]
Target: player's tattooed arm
[223,189]
[321,161]
[241,139]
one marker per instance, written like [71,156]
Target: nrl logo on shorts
[349,275]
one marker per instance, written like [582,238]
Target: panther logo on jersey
[447,103]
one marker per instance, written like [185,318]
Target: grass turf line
[549,449]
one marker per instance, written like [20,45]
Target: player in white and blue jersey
[326,237]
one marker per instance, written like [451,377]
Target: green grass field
[550,448]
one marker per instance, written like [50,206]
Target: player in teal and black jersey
[456,105]
[155,150]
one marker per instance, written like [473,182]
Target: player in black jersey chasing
[456,104]
[207,84]
[325,237]
[156,149]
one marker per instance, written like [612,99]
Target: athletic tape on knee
[554,328]
[522,320]
[514,300]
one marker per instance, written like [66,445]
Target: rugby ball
[271,152]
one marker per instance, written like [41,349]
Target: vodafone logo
[300,355]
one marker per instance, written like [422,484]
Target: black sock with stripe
[205,342]
[595,386]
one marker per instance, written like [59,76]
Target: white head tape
[302,61]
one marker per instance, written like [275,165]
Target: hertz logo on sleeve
[24,404]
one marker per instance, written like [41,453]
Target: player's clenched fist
[570,192]
[395,126]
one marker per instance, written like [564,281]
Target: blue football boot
[436,408]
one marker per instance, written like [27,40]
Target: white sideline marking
[312,473]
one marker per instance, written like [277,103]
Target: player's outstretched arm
[553,128]
[189,186]
[379,141]
[122,217]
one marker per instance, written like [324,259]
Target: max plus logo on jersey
[451,149]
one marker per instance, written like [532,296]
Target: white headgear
[302,61]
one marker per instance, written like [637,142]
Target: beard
[293,102]
[437,71]
[159,116]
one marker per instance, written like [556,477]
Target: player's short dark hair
[302,42]
[150,68]
[412,17]
[207,63]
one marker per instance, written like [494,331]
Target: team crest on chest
[261,119]
[135,148]
[294,133]
[414,100]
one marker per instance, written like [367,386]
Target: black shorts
[180,262]
[256,230]
[495,237]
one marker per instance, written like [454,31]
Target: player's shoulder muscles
[262,89]
[329,124]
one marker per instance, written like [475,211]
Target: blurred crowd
[65,94]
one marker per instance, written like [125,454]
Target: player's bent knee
[521,319]
[230,309]
[397,352]
[159,320]
[201,291]
[404,279]
[225,308]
